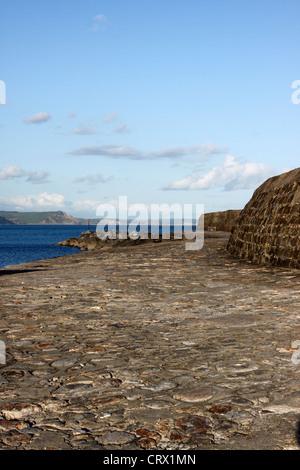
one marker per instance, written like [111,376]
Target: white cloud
[122,129]
[85,205]
[111,151]
[84,130]
[202,152]
[34,201]
[13,172]
[234,173]
[99,21]
[112,117]
[37,177]
[93,179]
[38,118]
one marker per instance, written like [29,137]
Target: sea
[23,243]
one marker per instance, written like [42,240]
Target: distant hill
[220,221]
[39,218]
[4,221]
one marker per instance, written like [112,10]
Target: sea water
[23,243]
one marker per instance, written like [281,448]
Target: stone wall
[221,221]
[268,228]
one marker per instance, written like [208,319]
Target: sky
[161,101]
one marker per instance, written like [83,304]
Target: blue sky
[162,101]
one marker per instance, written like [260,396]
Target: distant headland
[39,218]
[222,221]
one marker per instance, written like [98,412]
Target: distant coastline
[40,218]
[4,221]
[55,218]
[220,221]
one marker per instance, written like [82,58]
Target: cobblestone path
[150,347]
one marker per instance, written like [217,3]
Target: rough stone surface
[196,394]
[223,221]
[174,350]
[91,241]
[268,229]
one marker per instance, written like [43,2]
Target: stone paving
[150,347]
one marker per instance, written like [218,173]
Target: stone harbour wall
[221,221]
[268,228]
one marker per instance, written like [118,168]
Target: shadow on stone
[7,272]
[298,433]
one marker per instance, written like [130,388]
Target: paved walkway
[150,347]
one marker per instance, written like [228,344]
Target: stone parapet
[222,221]
[268,229]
